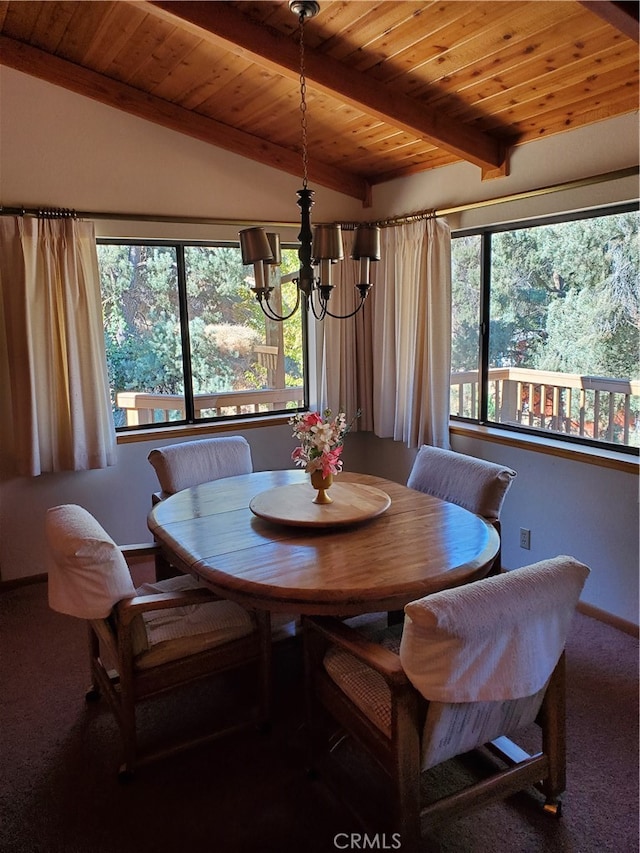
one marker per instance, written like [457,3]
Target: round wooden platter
[293,505]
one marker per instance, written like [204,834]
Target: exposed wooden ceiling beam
[224,25]
[623,16]
[68,75]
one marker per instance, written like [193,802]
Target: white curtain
[344,359]
[394,361]
[56,413]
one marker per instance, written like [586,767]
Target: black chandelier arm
[314,310]
[268,311]
[327,313]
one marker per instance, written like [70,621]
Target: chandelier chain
[317,249]
[303,104]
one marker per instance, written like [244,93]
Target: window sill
[164,431]
[550,447]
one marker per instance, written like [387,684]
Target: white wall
[120,497]
[60,149]
[606,146]
[585,510]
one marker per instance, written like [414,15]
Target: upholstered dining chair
[472,667]
[189,463]
[145,641]
[475,484]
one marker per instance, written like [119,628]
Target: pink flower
[321,441]
[299,456]
[331,462]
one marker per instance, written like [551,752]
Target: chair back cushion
[189,463]
[87,572]
[475,484]
[496,639]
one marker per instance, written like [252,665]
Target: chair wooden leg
[313,650]
[164,569]
[125,705]
[553,720]
[93,691]
[407,771]
[263,618]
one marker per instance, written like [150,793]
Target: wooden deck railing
[144,408]
[589,406]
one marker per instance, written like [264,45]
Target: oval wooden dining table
[313,561]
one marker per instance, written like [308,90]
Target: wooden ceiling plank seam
[162,60]
[443,159]
[113,34]
[20,20]
[133,56]
[335,18]
[516,66]
[271,119]
[589,100]
[559,85]
[439,46]
[4,8]
[495,58]
[243,87]
[335,78]
[191,88]
[279,108]
[595,50]
[51,25]
[362,163]
[540,121]
[60,72]
[212,97]
[562,123]
[243,101]
[407,39]
[349,42]
[78,36]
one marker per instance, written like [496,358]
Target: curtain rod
[409,217]
[476,205]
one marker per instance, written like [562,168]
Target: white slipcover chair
[470,668]
[145,641]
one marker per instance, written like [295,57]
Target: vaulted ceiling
[393,88]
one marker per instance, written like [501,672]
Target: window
[186,340]
[546,328]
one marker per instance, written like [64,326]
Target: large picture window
[186,340]
[546,328]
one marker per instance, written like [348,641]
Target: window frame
[190,420]
[485,233]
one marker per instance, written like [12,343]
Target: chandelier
[320,248]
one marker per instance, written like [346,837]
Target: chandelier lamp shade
[319,248]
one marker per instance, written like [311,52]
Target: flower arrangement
[321,440]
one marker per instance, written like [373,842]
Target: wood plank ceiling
[393,88]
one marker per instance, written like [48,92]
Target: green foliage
[465,308]
[564,297]
[225,323]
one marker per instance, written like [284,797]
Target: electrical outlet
[525,538]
